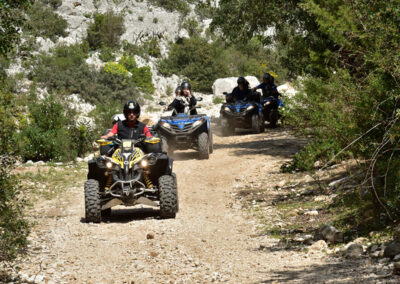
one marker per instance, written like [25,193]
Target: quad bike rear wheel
[92,201]
[211,146]
[204,146]
[168,197]
[256,123]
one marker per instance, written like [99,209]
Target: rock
[317,164]
[58,164]
[396,268]
[40,163]
[331,234]
[227,84]
[392,250]
[287,90]
[308,179]
[354,251]
[376,254]
[79,159]
[373,248]
[29,163]
[311,213]
[337,182]
[397,257]
[150,236]
[319,245]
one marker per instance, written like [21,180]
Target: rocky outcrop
[227,84]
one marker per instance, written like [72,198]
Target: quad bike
[242,114]
[270,109]
[183,131]
[130,177]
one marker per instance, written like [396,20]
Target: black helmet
[269,77]
[186,85]
[178,90]
[132,105]
[241,80]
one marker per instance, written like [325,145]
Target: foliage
[106,30]
[66,72]
[106,54]
[192,27]
[204,62]
[44,22]
[53,3]
[173,5]
[52,132]
[140,77]
[346,52]
[14,228]
[149,47]
[197,60]
[102,116]
[11,18]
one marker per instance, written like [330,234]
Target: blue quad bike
[181,131]
[270,109]
[242,114]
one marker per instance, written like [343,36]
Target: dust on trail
[211,238]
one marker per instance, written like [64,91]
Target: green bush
[52,133]
[44,22]
[196,59]
[14,228]
[53,3]
[150,47]
[191,25]
[106,30]
[66,72]
[106,54]
[173,5]
[102,116]
[141,77]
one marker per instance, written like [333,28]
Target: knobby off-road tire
[168,197]
[256,123]
[273,119]
[176,188]
[165,147]
[204,146]
[226,130]
[211,146]
[92,201]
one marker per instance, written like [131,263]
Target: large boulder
[227,84]
[287,90]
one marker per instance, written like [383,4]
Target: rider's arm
[112,132]
[193,101]
[258,87]
[147,132]
[173,105]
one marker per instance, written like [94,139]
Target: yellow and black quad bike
[131,177]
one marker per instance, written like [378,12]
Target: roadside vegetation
[346,55]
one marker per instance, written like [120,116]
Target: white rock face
[227,84]
[79,105]
[287,90]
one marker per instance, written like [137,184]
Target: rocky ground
[219,235]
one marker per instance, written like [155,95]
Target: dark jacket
[126,131]
[179,105]
[269,90]
[239,95]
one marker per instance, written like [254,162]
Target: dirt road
[212,238]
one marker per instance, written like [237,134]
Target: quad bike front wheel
[92,201]
[256,123]
[165,147]
[204,146]
[226,129]
[168,197]
[211,146]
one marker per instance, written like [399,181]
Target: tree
[11,19]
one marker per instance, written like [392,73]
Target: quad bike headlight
[250,107]
[144,163]
[109,165]
[227,109]
[197,123]
[166,125]
[267,103]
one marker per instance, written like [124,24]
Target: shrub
[14,228]
[218,100]
[106,30]
[53,3]
[150,47]
[191,25]
[102,116]
[66,72]
[106,54]
[173,5]
[155,20]
[44,22]
[140,18]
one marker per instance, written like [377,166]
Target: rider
[184,97]
[241,92]
[268,87]
[130,128]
